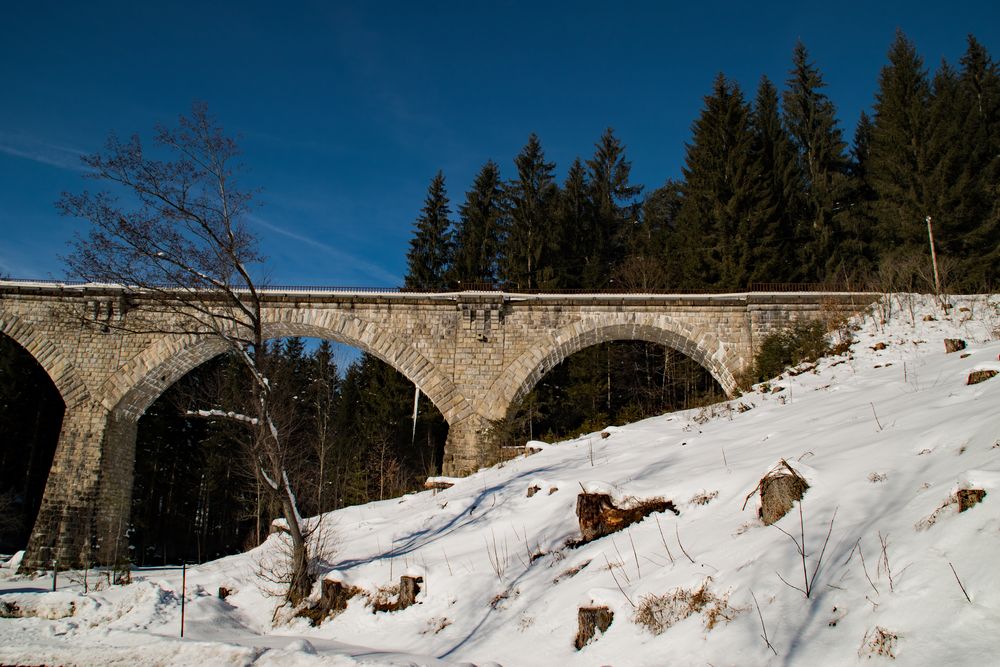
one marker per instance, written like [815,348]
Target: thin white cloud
[371,270]
[35,150]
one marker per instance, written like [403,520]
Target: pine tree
[811,120]
[722,193]
[431,248]
[531,240]
[479,230]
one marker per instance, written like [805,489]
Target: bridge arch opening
[195,494]
[611,375]
[31,414]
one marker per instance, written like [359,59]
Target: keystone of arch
[59,369]
[523,373]
[143,378]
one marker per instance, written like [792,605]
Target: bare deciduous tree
[171,229]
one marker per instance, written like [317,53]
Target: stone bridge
[473,354]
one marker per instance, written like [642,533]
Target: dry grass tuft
[704,497]
[657,613]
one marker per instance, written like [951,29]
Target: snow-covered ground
[885,438]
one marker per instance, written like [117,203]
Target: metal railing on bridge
[457,287]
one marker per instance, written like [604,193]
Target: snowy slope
[884,437]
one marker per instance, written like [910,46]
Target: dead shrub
[591,621]
[657,613]
[571,572]
[598,515]
[879,642]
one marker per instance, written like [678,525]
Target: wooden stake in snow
[183,592]
[930,238]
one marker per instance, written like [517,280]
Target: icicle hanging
[416,406]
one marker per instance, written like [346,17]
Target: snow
[885,438]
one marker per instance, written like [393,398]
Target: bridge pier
[466,449]
[84,515]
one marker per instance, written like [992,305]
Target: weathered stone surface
[471,353]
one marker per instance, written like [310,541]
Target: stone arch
[134,388]
[47,355]
[524,373]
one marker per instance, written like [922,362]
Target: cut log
[598,515]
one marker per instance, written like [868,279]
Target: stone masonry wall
[471,354]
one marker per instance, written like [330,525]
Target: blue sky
[346,110]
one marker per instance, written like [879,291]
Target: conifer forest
[774,189]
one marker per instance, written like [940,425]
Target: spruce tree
[479,229]
[650,264]
[855,253]
[614,208]
[431,248]
[573,220]
[531,240]
[979,109]
[772,243]
[722,193]
[811,120]
[899,162]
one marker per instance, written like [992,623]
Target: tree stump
[779,489]
[953,345]
[969,497]
[333,600]
[409,587]
[592,620]
[975,377]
